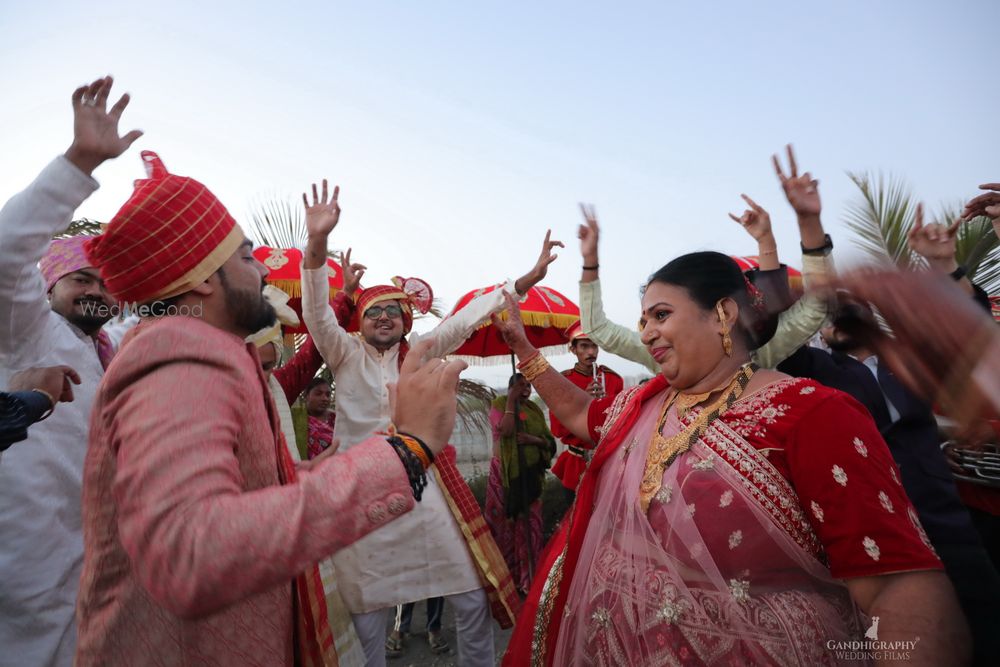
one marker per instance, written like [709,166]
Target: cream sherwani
[41,547]
[422,554]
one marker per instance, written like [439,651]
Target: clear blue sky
[460,131]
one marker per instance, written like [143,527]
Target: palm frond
[881,218]
[474,406]
[978,250]
[81,227]
[277,223]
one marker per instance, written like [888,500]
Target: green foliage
[978,250]
[884,214]
[881,219]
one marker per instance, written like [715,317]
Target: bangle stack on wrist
[533,366]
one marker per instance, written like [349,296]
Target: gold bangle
[534,367]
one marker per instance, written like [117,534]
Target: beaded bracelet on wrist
[418,447]
[415,470]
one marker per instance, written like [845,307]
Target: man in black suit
[910,429]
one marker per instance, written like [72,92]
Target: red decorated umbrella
[545,312]
[748,262]
[285,266]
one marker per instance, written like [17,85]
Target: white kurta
[422,554]
[41,544]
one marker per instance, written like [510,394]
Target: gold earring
[727,342]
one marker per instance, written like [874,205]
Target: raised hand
[541,267]
[755,220]
[324,213]
[801,191]
[95,128]
[987,204]
[935,242]
[424,399]
[588,233]
[352,273]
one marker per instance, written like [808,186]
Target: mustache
[88,299]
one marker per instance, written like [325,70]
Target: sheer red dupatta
[537,627]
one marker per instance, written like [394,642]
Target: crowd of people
[777,493]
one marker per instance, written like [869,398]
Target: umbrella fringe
[503,359]
[531,319]
[293,288]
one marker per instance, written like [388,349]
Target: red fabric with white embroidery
[828,448]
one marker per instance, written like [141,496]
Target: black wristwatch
[958,273]
[823,250]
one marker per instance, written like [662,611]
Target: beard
[250,311]
[88,315]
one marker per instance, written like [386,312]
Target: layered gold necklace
[664,450]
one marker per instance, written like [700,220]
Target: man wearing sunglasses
[430,554]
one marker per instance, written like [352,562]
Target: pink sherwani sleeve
[197,538]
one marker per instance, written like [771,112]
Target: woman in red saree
[730,515]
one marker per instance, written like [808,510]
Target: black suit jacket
[913,439]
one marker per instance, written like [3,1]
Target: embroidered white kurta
[423,553]
[41,544]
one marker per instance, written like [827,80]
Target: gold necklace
[663,451]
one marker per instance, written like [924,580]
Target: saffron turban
[409,292]
[63,257]
[169,237]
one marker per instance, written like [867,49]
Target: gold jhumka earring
[727,342]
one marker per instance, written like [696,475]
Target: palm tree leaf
[978,250]
[277,223]
[81,227]
[881,218]
[474,406]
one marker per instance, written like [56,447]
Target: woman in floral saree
[730,515]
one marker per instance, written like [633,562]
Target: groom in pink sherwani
[200,534]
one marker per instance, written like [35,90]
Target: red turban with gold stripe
[409,292]
[170,236]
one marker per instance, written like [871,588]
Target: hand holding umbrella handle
[512,329]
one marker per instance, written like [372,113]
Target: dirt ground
[418,653]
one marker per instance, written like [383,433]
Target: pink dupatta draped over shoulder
[708,576]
